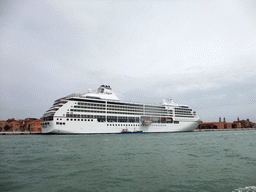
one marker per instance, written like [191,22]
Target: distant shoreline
[20,133]
[237,129]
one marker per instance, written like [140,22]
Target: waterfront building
[239,124]
[21,125]
[10,125]
[33,125]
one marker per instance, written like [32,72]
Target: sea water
[192,161]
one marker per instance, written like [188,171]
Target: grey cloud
[193,52]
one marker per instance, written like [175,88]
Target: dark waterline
[194,161]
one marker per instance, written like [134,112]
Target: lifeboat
[147,122]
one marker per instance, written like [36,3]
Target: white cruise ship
[103,112]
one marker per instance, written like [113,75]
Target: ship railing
[77,95]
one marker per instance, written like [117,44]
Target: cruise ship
[102,112]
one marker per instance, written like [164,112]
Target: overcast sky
[200,53]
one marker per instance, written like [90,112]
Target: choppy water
[195,161]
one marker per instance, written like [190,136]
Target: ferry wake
[103,112]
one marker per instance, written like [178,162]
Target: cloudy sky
[199,53]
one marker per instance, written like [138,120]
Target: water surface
[194,161]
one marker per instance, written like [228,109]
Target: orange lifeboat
[147,122]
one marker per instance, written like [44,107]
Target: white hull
[94,127]
[103,112]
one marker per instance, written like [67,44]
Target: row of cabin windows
[134,108]
[109,106]
[183,113]
[119,112]
[123,109]
[116,108]
[60,123]
[187,116]
[182,110]
[63,123]
[79,116]
[88,111]
[127,113]
[131,125]
[124,125]
[138,107]
[148,117]
[91,104]
[138,113]
[111,112]
[82,107]
[100,119]
[80,119]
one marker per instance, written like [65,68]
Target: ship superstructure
[103,112]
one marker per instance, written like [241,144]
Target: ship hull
[95,127]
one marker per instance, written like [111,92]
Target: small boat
[125,131]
